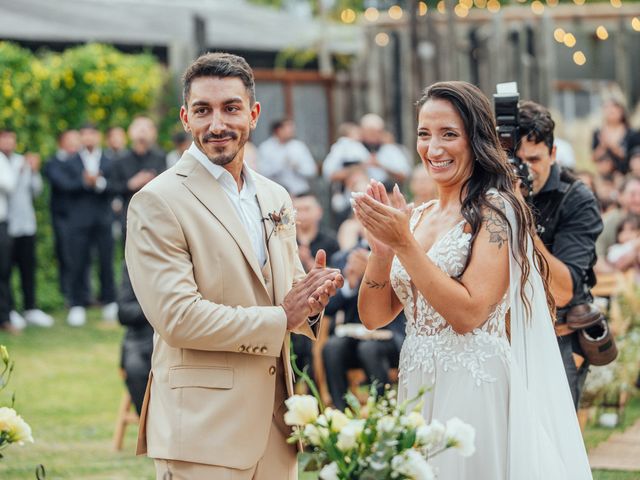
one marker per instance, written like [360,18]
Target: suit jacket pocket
[201,377]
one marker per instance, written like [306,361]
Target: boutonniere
[281,220]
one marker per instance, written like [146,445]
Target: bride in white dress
[479,333]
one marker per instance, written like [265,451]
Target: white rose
[303,409]
[329,472]
[430,435]
[348,436]
[338,419]
[461,436]
[386,424]
[413,420]
[412,464]
[17,429]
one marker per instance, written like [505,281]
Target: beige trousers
[278,463]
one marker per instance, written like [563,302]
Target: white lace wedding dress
[515,395]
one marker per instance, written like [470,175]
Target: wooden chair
[126,416]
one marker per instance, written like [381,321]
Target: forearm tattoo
[496,225]
[376,285]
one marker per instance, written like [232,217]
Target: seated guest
[311,238]
[341,353]
[137,344]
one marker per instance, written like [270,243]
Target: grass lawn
[68,388]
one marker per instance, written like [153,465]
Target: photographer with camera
[568,223]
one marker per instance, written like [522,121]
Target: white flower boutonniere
[281,220]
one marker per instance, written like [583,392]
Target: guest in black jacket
[137,344]
[84,178]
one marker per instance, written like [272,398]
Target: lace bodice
[429,337]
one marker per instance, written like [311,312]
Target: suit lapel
[209,192]
[268,204]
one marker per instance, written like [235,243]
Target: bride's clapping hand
[385,219]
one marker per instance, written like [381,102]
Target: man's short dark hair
[219,64]
[278,124]
[536,124]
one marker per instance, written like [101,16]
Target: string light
[635,24]
[422,8]
[579,58]
[371,14]
[616,3]
[466,3]
[395,12]
[461,10]
[348,15]
[382,39]
[578,2]
[537,7]
[442,8]
[493,6]
[559,34]
[570,40]
[601,33]
[480,3]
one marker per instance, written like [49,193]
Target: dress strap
[418,212]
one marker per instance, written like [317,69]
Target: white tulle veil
[545,442]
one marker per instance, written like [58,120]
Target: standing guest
[22,228]
[60,204]
[285,159]
[84,178]
[223,289]
[141,164]
[634,162]
[181,142]
[7,184]
[137,344]
[612,140]
[116,143]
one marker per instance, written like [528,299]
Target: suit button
[241,348]
[263,350]
[272,370]
[256,349]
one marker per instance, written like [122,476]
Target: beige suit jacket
[210,397]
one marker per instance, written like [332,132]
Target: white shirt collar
[223,176]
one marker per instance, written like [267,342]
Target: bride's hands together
[385,219]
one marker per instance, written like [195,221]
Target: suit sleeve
[161,274]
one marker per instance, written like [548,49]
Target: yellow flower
[16,104]
[7,90]
[93,98]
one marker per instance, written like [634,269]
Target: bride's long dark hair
[490,170]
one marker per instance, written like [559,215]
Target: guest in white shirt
[22,229]
[7,184]
[285,159]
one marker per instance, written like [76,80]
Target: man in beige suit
[211,251]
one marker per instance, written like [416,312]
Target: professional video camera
[505,103]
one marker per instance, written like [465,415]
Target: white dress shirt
[245,201]
[22,215]
[290,164]
[7,184]
[91,160]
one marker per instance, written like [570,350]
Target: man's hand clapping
[309,296]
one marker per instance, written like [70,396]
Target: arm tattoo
[496,226]
[376,285]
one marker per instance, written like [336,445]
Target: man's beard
[222,159]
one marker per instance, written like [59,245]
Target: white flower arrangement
[379,441]
[13,428]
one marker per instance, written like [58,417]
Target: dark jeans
[81,241]
[136,361]
[5,272]
[576,376]
[23,256]
[340,354]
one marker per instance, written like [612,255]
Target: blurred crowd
[92,180]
